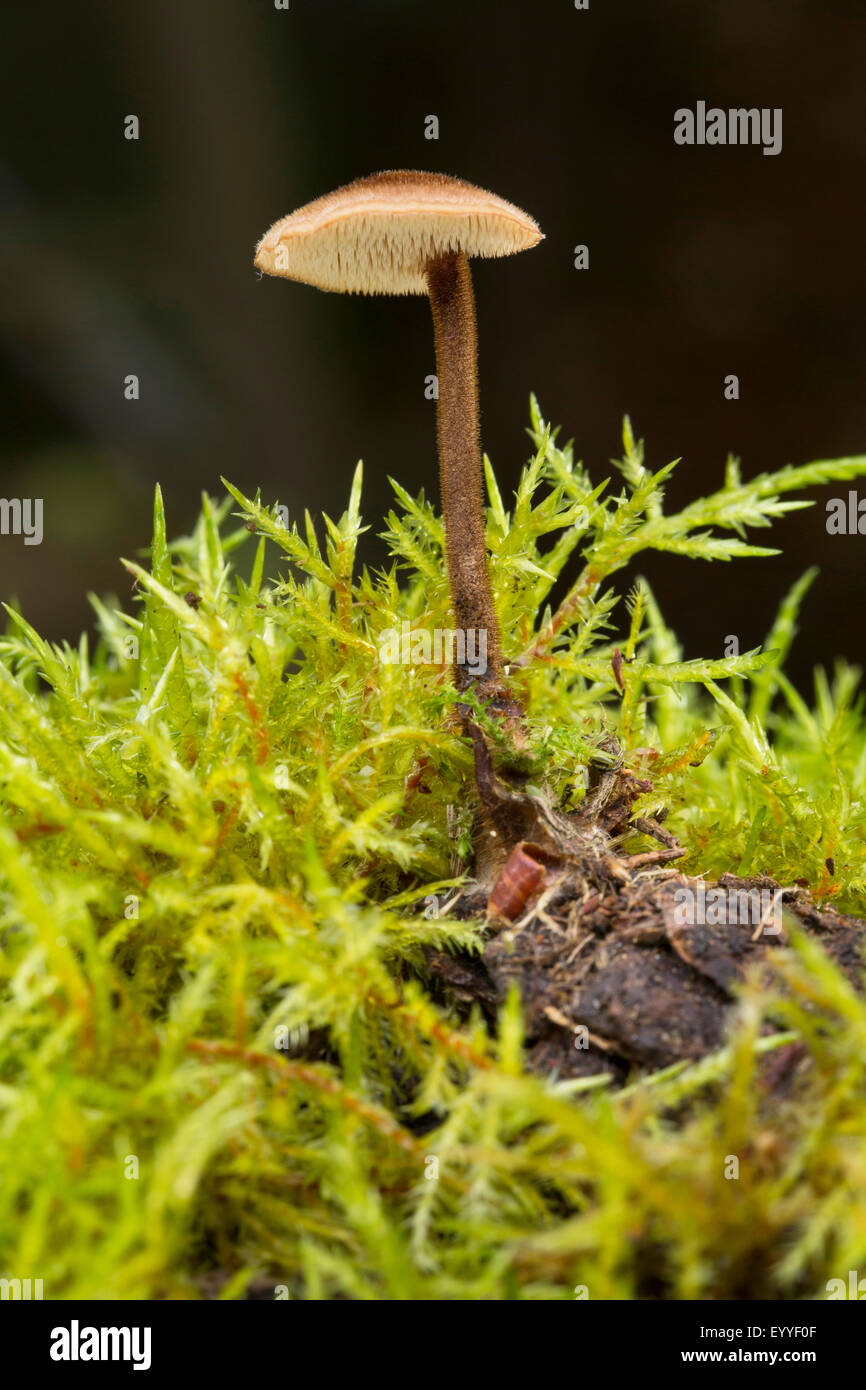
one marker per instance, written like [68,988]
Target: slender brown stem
[453,304]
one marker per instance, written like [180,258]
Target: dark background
[119,257]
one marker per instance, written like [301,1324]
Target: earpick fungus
[405,232]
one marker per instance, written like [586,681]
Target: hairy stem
[453,304]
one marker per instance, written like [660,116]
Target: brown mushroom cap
[377,235]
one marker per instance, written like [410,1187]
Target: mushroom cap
[377,234]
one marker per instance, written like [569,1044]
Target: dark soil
[610,975]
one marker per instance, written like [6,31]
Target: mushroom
[406,232]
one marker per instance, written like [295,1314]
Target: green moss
[219,832]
